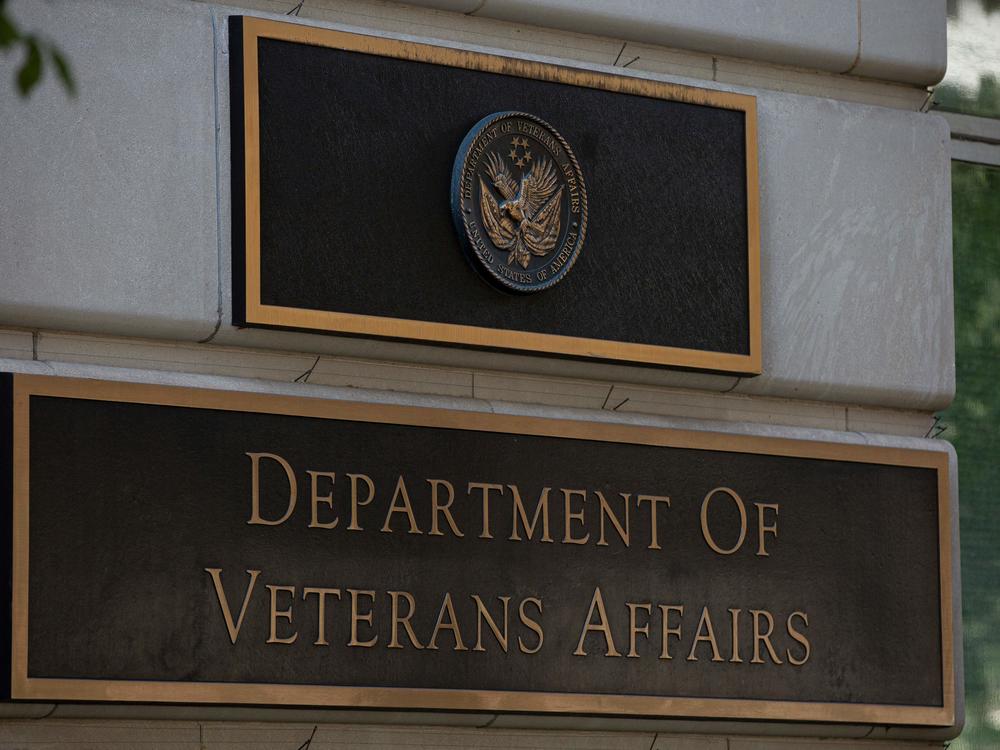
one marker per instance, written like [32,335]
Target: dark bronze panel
[6,509]
[137,493]
[348,224]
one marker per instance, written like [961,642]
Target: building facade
[122,239]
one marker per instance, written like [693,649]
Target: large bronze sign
[424,193]
[191,545]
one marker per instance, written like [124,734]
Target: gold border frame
[30,688]
[256,312]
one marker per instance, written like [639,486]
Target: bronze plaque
[186,545]
[616,221]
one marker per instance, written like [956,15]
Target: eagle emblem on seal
[526,221]
[519,202]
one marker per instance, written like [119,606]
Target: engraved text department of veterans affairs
[738,634]
[519,202]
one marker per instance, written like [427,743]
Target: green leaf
[8,34]
[30,73]
[63,70]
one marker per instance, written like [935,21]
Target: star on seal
[519,202]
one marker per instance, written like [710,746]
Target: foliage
[949,96]
[972,427]
[36,51]
[955,97]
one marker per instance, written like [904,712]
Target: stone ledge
[893,40]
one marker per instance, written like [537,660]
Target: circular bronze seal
[519,202]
